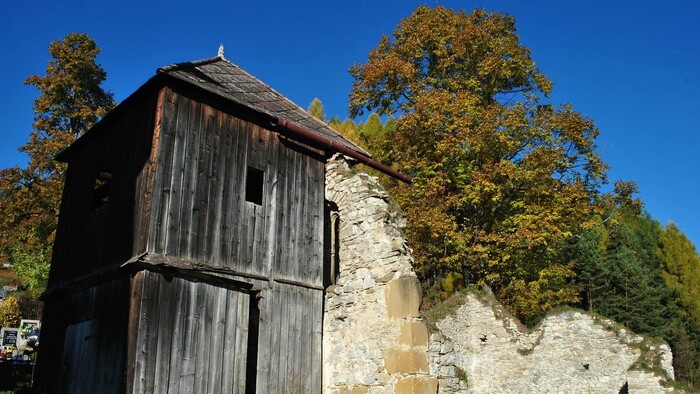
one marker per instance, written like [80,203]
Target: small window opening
[101,190]
[331,234]
[254,185]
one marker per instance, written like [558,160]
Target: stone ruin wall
[569,352]
[375,340]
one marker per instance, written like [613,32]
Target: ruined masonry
[375,340]
[569,352]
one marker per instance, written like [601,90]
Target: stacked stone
[568,352]
[374,339]
[442,365]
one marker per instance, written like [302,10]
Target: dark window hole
[254,185]
[101,190]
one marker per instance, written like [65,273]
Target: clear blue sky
[631,66]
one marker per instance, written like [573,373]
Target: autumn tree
[10,315]
[502,177]
[681,269]
[316,110]
[70,101]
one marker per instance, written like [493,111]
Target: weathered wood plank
[202,338]
[144,186]
[238,194]
[146,356]
[215,214]
[216,339]
[231,198]
[271,212]
[306,338]
[179,306]
[162,183]
[286,310]
[164,334]
[189,354]
[189,230]
[315,348]
[135,307]
[201,196]
[231,316]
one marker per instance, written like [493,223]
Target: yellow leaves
[10,314]
[529,299]
[502,180]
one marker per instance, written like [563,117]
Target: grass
[440,310]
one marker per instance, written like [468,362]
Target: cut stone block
[402,297]
[416,385]
[414,333]
[405,361]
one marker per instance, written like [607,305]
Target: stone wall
[569,352]
[375,340]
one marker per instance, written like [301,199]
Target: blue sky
[631,66]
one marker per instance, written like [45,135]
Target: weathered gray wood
[163,184]
[199,180]
[196,342]
[237,258]
[217,183]
[188,368]
[150,321]
[179,306]
[231,323]
[188,228]
[165,334]
[230,199]
[272,173]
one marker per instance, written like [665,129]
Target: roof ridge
[184,65]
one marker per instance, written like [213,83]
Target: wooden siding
[177,207]
[289,348]
[191,337]
[199,208]
[86,333]
[91,240]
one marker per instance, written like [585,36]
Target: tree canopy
[502,177]
[70,101]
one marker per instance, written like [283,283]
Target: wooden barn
[189,256]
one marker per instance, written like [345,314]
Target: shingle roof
[223,78]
